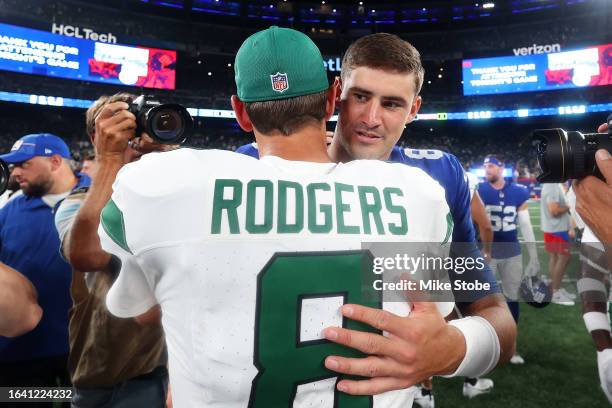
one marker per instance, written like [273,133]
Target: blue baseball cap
[492,159]
[39,144]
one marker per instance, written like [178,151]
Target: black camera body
[165,123]
[565,155]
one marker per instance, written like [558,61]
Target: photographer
[112,361]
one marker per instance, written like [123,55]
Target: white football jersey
[250,259]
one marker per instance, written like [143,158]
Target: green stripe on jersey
[112,222]
[449,227]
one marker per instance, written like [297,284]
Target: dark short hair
[94,110]
[287,115]
[387,52]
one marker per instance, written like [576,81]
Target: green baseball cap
[278,63]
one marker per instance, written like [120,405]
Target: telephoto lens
[564,155]
[166,123]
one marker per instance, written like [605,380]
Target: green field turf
[560,367]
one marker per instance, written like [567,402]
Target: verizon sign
[86,33]
[537,49]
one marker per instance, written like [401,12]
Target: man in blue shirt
[29,243]
[378,97]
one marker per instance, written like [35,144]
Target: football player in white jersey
[378,94]
[252,259]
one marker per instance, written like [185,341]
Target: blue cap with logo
[39,144]
[492,159]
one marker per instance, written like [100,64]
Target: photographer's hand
[594,197]
[115,126]
[603,128]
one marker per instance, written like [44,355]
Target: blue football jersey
[446,170]
[249,149]
[502,207]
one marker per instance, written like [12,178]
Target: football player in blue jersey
[378,96]
[506,203]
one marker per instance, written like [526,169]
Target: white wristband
[482,347]
[596,321]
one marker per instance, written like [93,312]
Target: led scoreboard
[541,72]
[38,52]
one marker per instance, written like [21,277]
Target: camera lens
[541,147]
[552,154]
[167,124]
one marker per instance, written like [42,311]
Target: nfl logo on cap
[280,83]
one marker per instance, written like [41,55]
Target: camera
[166,123]
[565,155]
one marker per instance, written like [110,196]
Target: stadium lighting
[373,11]
[441,69]
[569,110]
[221,113]
[209,73]
[361,3]
[439,75]
[334,10]
[488,5]
[424,8]
[229,64]
[323,2]
[429,82]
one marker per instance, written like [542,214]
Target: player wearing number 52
[248,258]
[506,203]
